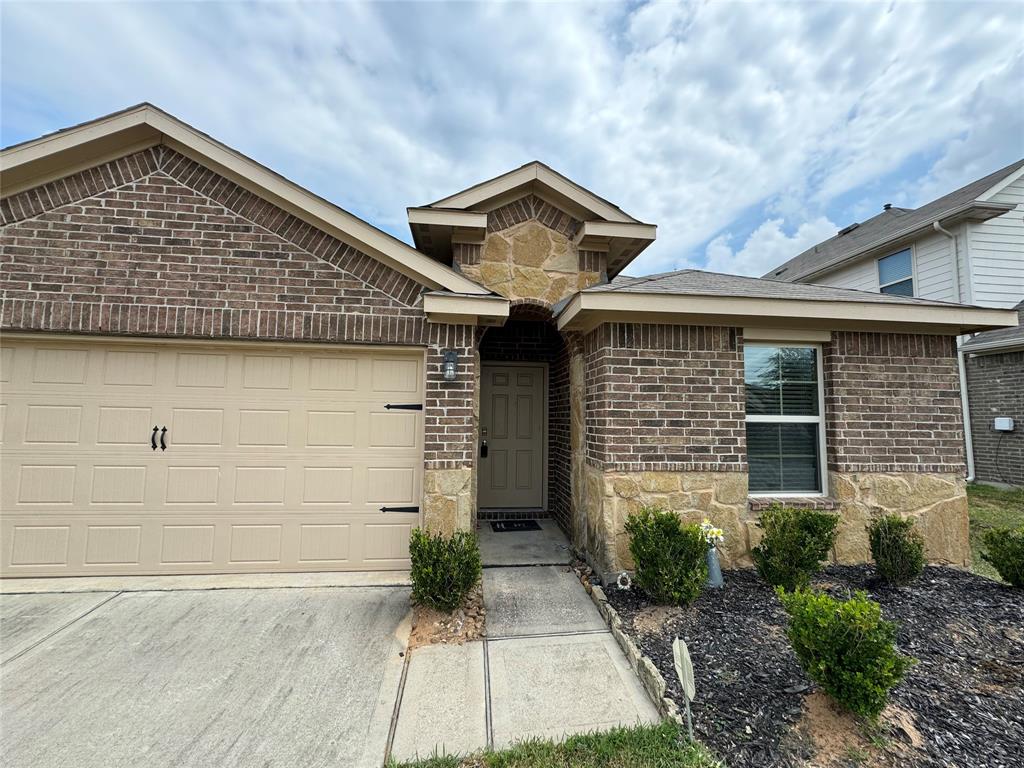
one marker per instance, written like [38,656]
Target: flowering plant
[713,536]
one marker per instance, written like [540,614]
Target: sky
[747,131]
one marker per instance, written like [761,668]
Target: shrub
[1006,553]
[670,558]
[846,647]
[897,548]
[794,544]
[444,569]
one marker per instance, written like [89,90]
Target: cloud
[702,117]
[766,247]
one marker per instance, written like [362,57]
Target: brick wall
[538,341]
[892,403]
[664,397]
[155,244]
[995,384]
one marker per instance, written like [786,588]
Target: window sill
[761,503]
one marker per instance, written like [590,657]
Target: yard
[642,747]
[991,508]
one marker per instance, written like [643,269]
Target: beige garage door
[276,458]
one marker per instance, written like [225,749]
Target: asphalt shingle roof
[885,225]
[1003,336]
[694,282]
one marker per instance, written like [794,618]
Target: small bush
[1006,553]
[670,558]
[897,548]
[846,647]
[795,543]
[444,568]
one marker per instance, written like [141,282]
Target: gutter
[965,405]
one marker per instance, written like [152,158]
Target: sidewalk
[548,668]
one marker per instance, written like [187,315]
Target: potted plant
[713,536]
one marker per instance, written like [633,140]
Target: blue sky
[747,131]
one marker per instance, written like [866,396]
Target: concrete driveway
[268,677]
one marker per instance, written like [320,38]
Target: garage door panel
[276,460]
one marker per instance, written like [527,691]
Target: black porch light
[451,359]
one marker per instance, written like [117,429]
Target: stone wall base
[936,502]
[449,500]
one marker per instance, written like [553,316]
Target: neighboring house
[208,369]
[967,246]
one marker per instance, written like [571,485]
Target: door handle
[483,450]
[163,439]
[152,440]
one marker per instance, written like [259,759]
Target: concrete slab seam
[488,721]
[39,642]
[527,565]
[570,633]
[397,708]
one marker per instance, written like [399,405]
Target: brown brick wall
[155,244]
[538,341]
[664,397]
[995,385]
[892,403]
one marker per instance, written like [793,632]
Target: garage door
[156,458]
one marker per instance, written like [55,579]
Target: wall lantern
[451,359]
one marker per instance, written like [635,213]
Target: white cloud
[690,116]
[766,247]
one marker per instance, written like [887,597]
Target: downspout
[961,363]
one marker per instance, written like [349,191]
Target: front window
[785,428]
[896,274]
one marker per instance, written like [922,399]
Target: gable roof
[38,161]
[890,228]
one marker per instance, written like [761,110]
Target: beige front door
[512,407]
[264,458]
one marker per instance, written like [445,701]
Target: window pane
[893,268]
[761,373]
[783,458]
[799,381]
[800,398]
[906,288]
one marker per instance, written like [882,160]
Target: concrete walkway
[548,668]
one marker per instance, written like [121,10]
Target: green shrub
[1006,553]
[670,558]
[444,568]
[846,647]
[795,543]
[897,548]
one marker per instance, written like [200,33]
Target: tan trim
[40,158]
[588,310]
[535,172]
[786,334]
[463,310]
[999,186]
[438,218]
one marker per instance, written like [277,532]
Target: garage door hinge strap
[400,509]
[404,406]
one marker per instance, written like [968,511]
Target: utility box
[1002,424]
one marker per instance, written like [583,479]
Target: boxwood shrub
[846,647]
[795,543]
[444,568]
[670,558]
[897,548]
[1005,552]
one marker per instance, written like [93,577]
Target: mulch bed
[965,696]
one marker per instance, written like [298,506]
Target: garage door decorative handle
[152,440]
[404,406]
[400,509]
[163,439]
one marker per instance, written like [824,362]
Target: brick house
[208,369]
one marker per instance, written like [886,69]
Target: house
[208,369]
[967,246]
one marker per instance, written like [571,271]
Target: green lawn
[991,508]
[652,746]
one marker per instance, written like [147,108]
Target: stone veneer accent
[528,253]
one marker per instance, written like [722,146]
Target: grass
[991,508]
[646,746]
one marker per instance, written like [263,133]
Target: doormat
[504,526]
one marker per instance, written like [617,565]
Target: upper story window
[896,274]
[785,426]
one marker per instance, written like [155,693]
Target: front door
[512,405]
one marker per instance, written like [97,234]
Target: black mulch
[966,694]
